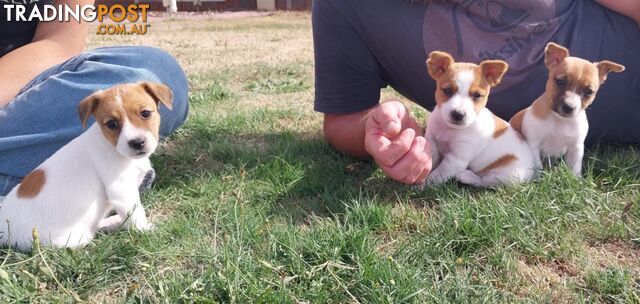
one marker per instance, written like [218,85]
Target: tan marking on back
[32,184]
[516,121]
[501,126]
[500,162]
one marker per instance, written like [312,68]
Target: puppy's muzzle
[457,117]
[563,108]
[567,109]
[137,144]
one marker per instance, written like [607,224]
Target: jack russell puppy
[555,124]
[68,197]
[469,142]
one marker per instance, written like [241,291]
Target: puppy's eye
[447,91]
[145,114]
[112,124]
[587,92]
[561,82]
[476,96]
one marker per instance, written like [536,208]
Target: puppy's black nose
[137,144]
[457,116]
[567,109]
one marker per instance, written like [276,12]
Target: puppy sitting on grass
[69,196]
[555,124]
[469,142]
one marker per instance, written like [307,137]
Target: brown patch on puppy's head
[32,184]
[463,88]
[438,63]
[487,75]
[125,111]
[573,82]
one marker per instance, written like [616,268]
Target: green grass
[251,205]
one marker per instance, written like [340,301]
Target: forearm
[23,64]
[53,43]
[630,8]
[346,133]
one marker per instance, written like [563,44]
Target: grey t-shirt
[15,34]
[363,46]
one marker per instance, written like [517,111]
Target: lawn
[251,205]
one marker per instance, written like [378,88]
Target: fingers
[388,117]
[414,166]
[427,166]
[388,154]
[405,166]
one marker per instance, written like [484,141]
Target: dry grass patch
[614,253]
[551,280]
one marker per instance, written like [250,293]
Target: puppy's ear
[87,106]
[606,66]
[160,93]
[493,70]
[554,54]
[438,63]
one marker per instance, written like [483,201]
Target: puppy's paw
[146,180]
[468,177]
[147,227]
[433,180]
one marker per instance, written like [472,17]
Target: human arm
[53,43]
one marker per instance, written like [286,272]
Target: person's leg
[43,117]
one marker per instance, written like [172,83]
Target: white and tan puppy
[555,125]
[68,197]
[472,145]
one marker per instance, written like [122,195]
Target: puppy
[69,195]
[471,144]
[555,124]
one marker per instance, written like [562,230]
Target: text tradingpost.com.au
[135,14]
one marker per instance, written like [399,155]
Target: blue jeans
[43,117]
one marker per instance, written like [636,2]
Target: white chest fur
[554,136]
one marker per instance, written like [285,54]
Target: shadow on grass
[295,174]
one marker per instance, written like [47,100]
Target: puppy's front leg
[146,176]
[574,158]
[448,168]
[111,223]
[535,151]
[126,202]
[435,153]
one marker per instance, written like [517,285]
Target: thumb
[388,120]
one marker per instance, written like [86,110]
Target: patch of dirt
[615,253]
[547,278]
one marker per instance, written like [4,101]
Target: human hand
[393,139]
